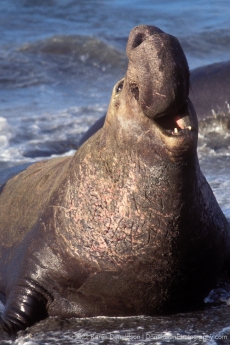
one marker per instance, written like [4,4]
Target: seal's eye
[135,91]
[120,86]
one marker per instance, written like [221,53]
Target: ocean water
[59,60]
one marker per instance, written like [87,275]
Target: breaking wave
[89,50]
[52,60]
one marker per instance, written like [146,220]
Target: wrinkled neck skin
[166,183]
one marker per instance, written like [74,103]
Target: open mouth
[178,125]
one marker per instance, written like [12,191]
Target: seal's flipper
[24,306]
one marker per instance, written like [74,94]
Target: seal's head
[152,100]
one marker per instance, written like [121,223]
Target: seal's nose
[139,34]
[158,69]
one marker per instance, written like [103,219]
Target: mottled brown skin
[128,225]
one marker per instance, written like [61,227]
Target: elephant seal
[128,225]
[209,94]
[210,90]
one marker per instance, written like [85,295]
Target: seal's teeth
[189,128]
[175,130]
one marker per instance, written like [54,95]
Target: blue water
[59,60]
[203,26]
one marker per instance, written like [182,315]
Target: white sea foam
[4,133]
[46,135]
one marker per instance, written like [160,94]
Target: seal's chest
[114,222]
[128,291]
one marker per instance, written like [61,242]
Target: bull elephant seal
[126,226]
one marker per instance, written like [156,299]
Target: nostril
[140,37]
[135,90]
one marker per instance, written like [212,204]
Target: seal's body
[126,226]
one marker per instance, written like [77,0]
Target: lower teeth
[176,131]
